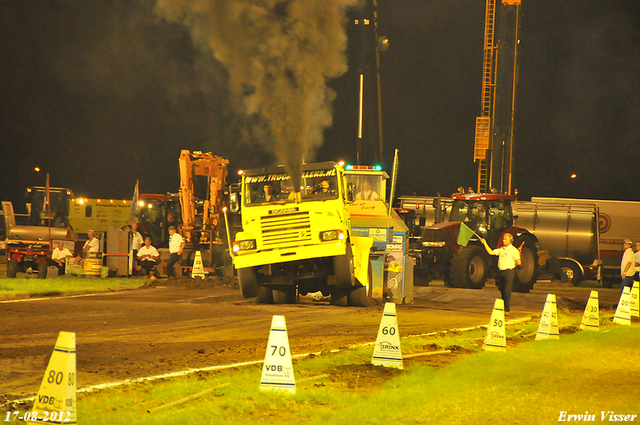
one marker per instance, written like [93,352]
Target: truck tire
[339,296]
[469,268]
[284,294]
[12,267]
[42,269]
[527,273]
[358,297]
[343,269]
[247,282]
[571,272]
[265,295]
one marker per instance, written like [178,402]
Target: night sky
[100,94]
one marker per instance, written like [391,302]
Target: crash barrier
[548,327]
[387,351]
[56,399]
[623,316]
[495,339]
[591,316]
[634,300]
[277,369]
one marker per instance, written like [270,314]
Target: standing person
[636,276]
[627,268]
[508,260]
[136,243]
[148,256]
[176,245]
[59,257]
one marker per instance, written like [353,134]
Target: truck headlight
[244,245]
[331,235]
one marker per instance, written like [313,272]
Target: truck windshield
[316,185]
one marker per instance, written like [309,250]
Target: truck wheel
[571,271]
[469,268]
[343,269]
[339,296]
[42,269]
[284,294]
[527,273]
[12,267]
[248,283]
[265,295]
[358,297]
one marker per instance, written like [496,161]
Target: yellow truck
[300,239]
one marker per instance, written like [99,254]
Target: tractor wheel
[265,295]
[284,294]
[12,267]
[527,273]
[42,269]
[571,272]
[343,269]
[248,283]
[339,296]
[359,297]
[469,268]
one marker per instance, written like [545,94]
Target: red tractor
[438,253]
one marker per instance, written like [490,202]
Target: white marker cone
[56,399]
[197,270]
[548,327]
[277,370]
[387,351]
[591,316]
[634,300]
[496,340]
[623,316]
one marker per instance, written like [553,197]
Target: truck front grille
[285,228]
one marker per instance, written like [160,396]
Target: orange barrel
[92,264]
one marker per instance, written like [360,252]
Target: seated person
[59,257]
[91,245]
[324,187]
[367,193]
[268,194]
[148,256]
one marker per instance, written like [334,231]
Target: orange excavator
[201,217]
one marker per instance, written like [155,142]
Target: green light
[378,168]
[349,167]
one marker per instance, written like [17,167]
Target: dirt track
[154,330]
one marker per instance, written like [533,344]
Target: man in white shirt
[148,256]
[91,245]
[627,266]
[59,257]
[508,260]
[136,242]
[176,245]
[367,193]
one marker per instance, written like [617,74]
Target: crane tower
[494,134]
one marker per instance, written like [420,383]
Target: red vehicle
[28,248]
[438,254]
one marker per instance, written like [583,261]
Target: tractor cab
[487,214]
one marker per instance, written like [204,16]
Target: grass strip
[532,383]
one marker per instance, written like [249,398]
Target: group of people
[630,265]
[146,255]
[269,193]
